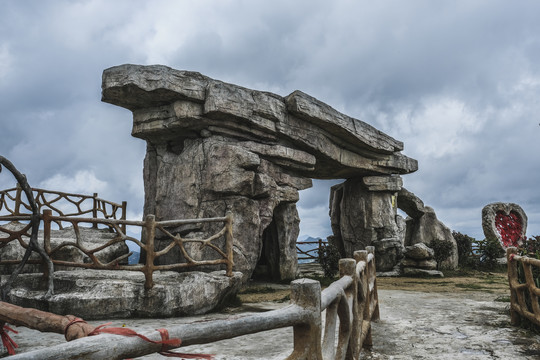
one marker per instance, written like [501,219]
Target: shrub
[442,250]
[464,248]
[490,250]
[329,259]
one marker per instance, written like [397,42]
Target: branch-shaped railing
[309,254]
[523,296]
[148,245]
[61,203]
[353,299]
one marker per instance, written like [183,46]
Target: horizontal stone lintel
[383,183]
[175,103]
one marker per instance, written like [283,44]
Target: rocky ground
[462,317]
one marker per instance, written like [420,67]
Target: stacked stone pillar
[363,213]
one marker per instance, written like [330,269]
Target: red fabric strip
[8,342]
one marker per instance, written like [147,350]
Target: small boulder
[419,251]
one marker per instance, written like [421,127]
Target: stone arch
[277,258]
[213,146]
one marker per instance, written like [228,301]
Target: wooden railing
[353,299]
[312,254]
[61,203]
[10,201]
[523,296]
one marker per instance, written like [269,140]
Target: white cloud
[314,221]
[463,99]
[6,62]
[82,182]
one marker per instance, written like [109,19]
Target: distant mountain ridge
[309,245]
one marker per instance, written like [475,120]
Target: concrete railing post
[17,209]
[306,293]
[95,209]
[47,230]
[150,226]
[373,283]
[229,239]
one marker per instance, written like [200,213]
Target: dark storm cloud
[457,81]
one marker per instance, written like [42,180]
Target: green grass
[471,286]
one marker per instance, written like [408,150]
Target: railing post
[306,293]
[360,333]
[47,230]
[150,225]
[229,243]
[373,283]
[95,209]
[344,350]
[512,280]
[123,216]
[16,210]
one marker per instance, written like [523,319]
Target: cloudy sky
[457,81]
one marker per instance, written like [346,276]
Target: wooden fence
[352,300]
[523,296]
[149,228]
[62,204]
[311,254]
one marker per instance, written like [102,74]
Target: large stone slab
[166,100]
[214,146]
[102,294]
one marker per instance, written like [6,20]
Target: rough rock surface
[419,251]
[90,239]
[418,261]
[489,213]
[213,147]
[424,227]
[102,294]
[363,213]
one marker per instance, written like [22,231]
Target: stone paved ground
[413,325]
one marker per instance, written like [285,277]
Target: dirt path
[449,318]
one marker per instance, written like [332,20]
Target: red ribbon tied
[8,342]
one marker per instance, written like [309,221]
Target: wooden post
[16,210]
[123,216]
[512,280]
[47,230]
[43,321]
[229,240]
[306,293]
[347,267]
[362,305]
[148,270]
[373,280]
[95,209]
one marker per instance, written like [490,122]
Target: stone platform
[102,294]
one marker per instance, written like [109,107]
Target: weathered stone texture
[424,227]
[213,146]
[489,213]
[360,218]
[102,294]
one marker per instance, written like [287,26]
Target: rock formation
[213,146]
[424,227]
[418,261]
[506,222]
[104,294]
[363,213]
